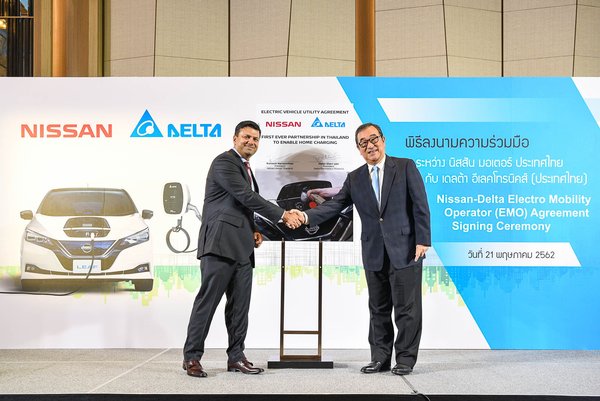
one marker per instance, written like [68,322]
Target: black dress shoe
[401,369]
[194,368]
[375,366]
[243,366]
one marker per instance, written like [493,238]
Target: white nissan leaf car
[86,232]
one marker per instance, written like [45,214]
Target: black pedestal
[276,363]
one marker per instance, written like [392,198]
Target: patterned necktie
[375,182]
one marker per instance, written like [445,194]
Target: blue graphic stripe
[515,307]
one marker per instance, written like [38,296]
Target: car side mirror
[147,214]
[27,215]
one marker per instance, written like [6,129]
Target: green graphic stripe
[187,278]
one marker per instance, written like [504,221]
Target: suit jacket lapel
[240,163]
[254,182]
[388,178]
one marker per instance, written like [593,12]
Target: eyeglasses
[373,139]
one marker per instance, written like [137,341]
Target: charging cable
[179,228]
[61,294]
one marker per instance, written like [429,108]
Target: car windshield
[87,202]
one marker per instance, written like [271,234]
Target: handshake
[293,218]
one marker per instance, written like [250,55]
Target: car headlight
[38,239]
[134,239]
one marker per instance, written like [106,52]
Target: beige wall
[321,38]
[410,38]
[316,38]
[129,29]
[474,37]
[192,38]
[259,37]
[539,37]
[587,43]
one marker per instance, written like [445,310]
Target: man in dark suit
[226,250]
[389,195]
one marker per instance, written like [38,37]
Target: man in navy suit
[389,195]
[226,250]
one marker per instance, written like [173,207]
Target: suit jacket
[400,223]
[228,212]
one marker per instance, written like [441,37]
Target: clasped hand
[293,218]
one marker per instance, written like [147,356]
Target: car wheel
[143,285]
[30,285]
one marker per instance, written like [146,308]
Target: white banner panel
[67,141]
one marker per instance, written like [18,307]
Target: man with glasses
[390,197]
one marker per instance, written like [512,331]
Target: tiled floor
[158,371]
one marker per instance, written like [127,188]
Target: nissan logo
[86,248]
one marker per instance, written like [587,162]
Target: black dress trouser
[400,290]
[220,276]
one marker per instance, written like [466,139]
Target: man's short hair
[365,126]
[247,123]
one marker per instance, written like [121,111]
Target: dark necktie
[249,171]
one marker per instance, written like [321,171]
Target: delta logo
[328,124]
[147,128]
[283,124]
[69,130]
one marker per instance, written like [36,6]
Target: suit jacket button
[381,219]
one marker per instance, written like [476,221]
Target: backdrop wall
[509,166]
